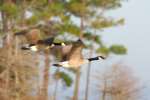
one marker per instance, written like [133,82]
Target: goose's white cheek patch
[65,64]
[34,48]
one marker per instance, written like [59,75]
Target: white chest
[73,63]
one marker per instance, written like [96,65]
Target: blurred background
[116,29]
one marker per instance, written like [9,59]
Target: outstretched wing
[69,52]
[61,51]
[76,51]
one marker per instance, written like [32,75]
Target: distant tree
[119,83]
[18,70]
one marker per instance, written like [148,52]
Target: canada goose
[42,44]
[74,58]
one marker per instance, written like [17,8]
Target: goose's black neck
[92,59]
[96,58]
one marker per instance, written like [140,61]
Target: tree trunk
[56,87]
[17,85]
[9,50]
[22,16]
[88,76]
[4,22]
[77,81]
[55,90]
[44,89]
[17,58]
[104,91]
[9,63]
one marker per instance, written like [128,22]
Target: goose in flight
[73,57]
[42,44]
